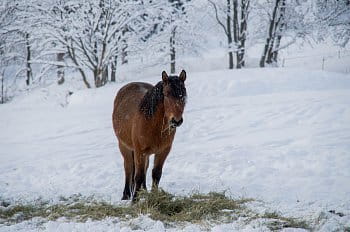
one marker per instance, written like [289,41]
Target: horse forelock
[177,88]
[155,96]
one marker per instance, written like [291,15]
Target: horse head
[174,92]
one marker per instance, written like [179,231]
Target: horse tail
[133,172]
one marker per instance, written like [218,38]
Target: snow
[281,136]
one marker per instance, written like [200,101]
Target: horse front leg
[159,160]
[140,174]
[146,168]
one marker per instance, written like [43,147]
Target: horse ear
[165,77]
[182,76]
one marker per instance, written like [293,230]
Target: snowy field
[281,136]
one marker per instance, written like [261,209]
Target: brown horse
[145,118]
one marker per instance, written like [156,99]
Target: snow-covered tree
[17,39]
[7,42]
[232,17]
[286,20]
[170,30]
[177,11]
[167,31]
[334,16]
[91,32]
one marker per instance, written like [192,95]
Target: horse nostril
[175,123]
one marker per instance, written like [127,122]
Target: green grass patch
[158,205]
[278,222]
[80,210]
[164,206]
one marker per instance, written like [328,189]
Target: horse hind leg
[129,169]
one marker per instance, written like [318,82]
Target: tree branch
[217,17]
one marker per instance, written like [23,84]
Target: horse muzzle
[173,123]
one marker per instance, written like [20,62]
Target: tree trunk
[273,37]
[124,52]
[114,69]
[172,51]
[2,88]
[240,30]
[275,51]
[280,30]
[84,78]
[28,59]
[243,32]
[105,75]
[102,70]
[98,77]
[236,33]
[277,34]
[265,58]
[229,34]
[270,51]
[230,59]
[60,68]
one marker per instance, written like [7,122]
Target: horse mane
[149,103]
[152,98]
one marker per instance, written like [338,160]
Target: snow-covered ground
[277,135]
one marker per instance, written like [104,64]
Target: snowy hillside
[281,136]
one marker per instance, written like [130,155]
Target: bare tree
[287,21]
[6,16]
[18,38]
[236,16]
[273,39]
[29,72]
[89,33]
[99,35]
[226,28]
[240,26]
[177,12]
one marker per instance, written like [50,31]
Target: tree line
[89,36]
[95,37]
[277,20]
